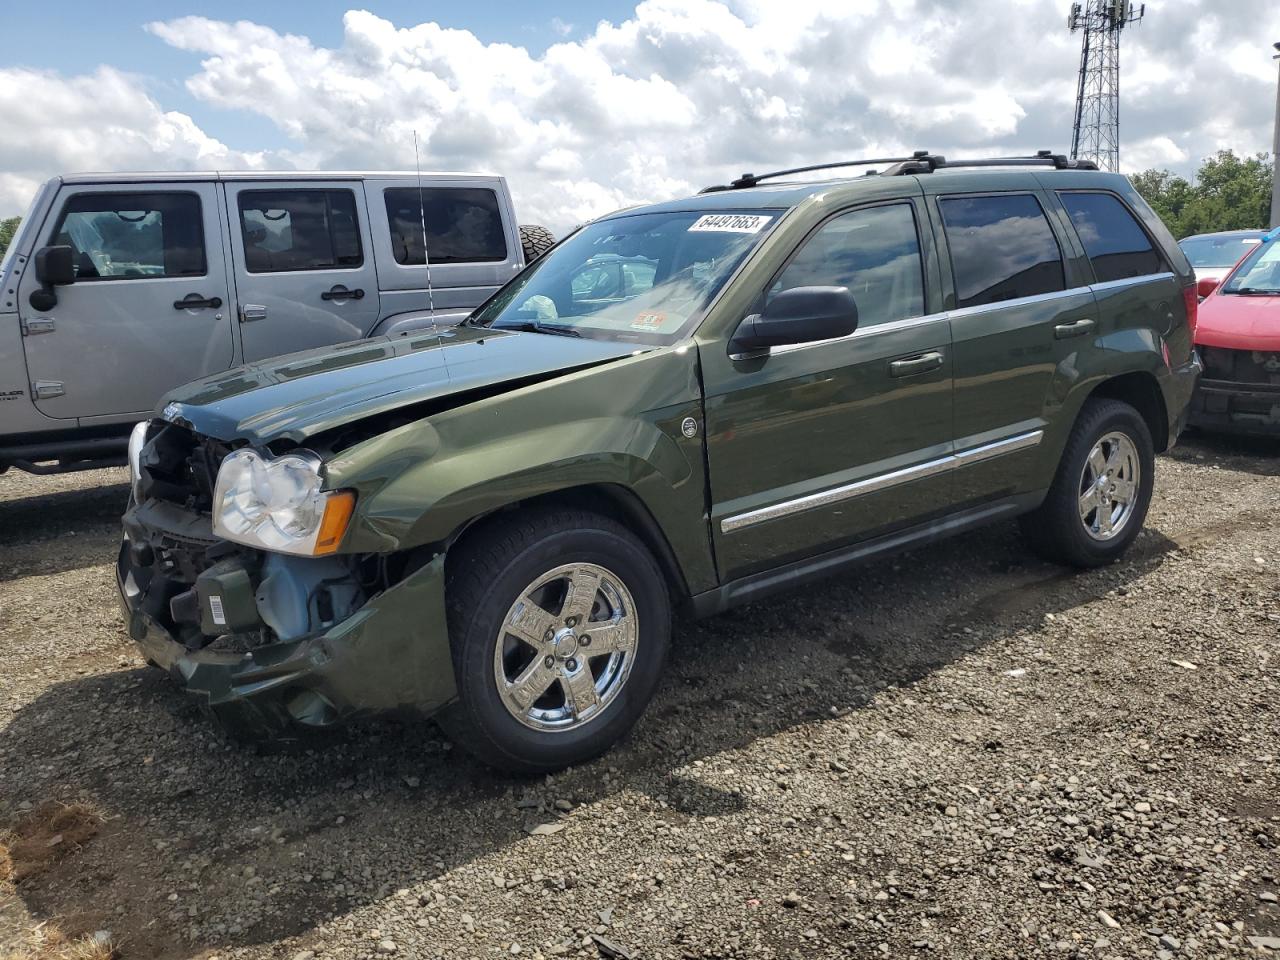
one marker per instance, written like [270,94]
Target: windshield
[1217,252]
[646,277]
[1260,272]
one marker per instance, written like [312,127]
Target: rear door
[1014,299]
[151,305]
[821,444]
[1135,287]
[305,273]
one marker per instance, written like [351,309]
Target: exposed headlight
[137,440]
[279,505]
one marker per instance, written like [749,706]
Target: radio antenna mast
[426,255]
[1096,135]
[422,216]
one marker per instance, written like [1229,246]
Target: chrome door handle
[914,365]
[251,312]
[1077,328]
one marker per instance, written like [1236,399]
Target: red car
[1238,337]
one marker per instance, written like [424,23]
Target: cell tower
[1096,135]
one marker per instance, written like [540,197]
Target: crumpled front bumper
[391,653]
[1225,406]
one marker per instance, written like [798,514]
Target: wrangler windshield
[647,277]
[1259,273]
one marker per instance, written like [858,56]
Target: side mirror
[1207,286]
[55,267]
[798,315]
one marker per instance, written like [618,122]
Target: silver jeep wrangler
[119,287]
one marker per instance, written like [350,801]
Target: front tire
[559,624]
[1099,498]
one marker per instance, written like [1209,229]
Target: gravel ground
[960,753]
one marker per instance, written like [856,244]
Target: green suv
[682,407]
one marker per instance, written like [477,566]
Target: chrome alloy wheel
[1109,486]
[566,647]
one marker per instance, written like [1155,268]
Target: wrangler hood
[302,394]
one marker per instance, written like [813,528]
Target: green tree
[7,229]
[1229,193]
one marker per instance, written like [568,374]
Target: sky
[591,105]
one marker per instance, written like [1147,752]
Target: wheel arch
[1140,390]
[612,500]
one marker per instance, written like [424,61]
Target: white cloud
[680,94]
[103,120]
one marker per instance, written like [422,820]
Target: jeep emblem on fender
[690,427]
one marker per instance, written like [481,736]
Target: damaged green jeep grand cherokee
[683,406]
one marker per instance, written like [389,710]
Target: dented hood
[299,395]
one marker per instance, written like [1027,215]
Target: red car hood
[1239,322]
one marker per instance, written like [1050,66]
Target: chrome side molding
[884,481]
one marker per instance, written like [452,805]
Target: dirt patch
[42,838]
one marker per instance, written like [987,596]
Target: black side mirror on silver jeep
[798,315]
[55,267]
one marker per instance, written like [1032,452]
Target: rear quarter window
[1118,248]
[462,225]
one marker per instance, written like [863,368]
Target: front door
[151,306]
[818,445]
[305,272]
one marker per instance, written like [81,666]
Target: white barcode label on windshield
[730,223]
[215,608]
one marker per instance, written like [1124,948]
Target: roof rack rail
[922,158]
[922,161]
[1041,158]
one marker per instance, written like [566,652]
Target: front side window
[1117,247]
[461,224]
[1002,248]
[1259,274]
[133,236]
[646,277]
[875,252]
[288,230]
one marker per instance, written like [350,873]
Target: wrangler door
[305,272]
[150,308]
[820,444]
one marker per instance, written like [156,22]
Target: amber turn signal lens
[333,525]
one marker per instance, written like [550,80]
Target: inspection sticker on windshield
[649,321]
[730,223]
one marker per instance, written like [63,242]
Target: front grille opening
[181,467]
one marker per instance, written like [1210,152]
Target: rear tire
[559,624]
[1099,498]
[535,241]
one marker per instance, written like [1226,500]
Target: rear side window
[133,236]
[1002,248]
[1117,247]
[875,252]
[462,225]
[287,230]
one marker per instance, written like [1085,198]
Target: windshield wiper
[535,326]
[1254,292]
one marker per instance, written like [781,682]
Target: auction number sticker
[730,223]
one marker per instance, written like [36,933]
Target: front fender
[618,424]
